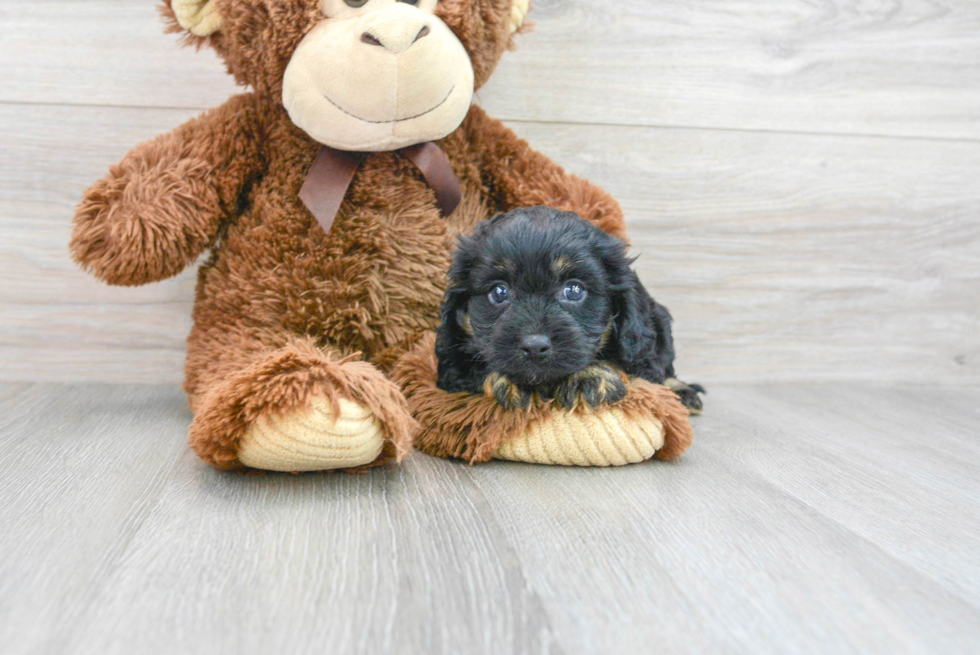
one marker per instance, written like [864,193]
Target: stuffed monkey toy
[329,196]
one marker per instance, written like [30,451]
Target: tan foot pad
[607,438]
[312,439]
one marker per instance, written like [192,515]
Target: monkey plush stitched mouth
[543,302]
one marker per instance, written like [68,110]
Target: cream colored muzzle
[382,80]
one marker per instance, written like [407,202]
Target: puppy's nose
[536,346]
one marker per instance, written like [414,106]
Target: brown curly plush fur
[472,428]
[283,308]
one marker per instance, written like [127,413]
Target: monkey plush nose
[394,31]
[536,346]
[394,44]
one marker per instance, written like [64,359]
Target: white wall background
[801,177]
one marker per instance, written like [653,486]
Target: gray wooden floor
[808,518]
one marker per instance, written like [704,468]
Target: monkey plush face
[361,75]
[378,75]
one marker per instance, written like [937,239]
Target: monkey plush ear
[518,13]
[199,17]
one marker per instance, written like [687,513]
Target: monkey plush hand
[328,196]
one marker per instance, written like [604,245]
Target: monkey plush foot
[648,422]
[301,408]
[313,438]
[605,438]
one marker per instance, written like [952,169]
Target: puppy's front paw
[505,392]
[690,394]
[599,384]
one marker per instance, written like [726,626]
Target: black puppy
[541,301]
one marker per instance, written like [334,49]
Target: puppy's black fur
[541,301]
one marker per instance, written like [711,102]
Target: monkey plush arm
[518,176]
[167,200]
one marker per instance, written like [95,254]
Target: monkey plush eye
[574,292]
[355,3]
[500,294]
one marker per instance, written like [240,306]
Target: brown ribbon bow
[333,171]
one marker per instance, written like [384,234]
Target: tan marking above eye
[560,264]
[505,266]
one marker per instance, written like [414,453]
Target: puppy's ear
[451,340]
[641,342]
[455,359]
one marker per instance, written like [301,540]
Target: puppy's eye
[500,294]
[409,2]
[355,3]
[574,292]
